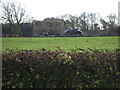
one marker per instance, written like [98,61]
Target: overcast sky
[40,9]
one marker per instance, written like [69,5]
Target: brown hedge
[59,69]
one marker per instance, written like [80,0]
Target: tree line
[17,22]
[92,22]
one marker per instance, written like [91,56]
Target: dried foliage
[59,69]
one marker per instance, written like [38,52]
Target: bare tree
[84,22]
[112,18]
[13,14]
[112,25]
[92,18]
[70,21]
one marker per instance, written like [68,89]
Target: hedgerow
[59,69]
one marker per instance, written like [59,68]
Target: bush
[59,69]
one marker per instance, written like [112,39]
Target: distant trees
[110,26]
[91,23]
[69,21]
[112,23]
[84,21]
[13,14]
[92,18]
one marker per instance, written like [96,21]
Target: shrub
[59,69]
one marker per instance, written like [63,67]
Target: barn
[49,25]
[73,32]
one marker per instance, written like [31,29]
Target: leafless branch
[13,13]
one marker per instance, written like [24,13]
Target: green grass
[66,43]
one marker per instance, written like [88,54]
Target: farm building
[50,25]
[73,32]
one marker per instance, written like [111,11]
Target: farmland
[65,43]
[58,69]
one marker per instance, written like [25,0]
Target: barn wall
[48,25]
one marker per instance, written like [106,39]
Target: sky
[41,9]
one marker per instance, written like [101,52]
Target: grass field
[66,43]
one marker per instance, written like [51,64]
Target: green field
[66,43]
